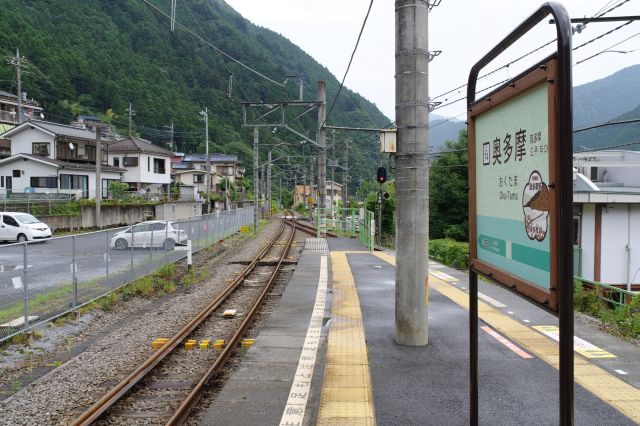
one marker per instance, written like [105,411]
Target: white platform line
[294,411]
[491,300]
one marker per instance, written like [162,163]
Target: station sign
[512,169]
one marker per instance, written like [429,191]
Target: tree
[448,192]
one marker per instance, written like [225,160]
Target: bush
[450,252]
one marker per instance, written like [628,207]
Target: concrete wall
[62,222]
[116,214]
[175,210]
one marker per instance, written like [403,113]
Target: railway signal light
[382,175]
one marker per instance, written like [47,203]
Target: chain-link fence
[42,280]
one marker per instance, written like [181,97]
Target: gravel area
[59,396]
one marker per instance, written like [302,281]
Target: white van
[22,227]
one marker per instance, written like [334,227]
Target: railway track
[168,385]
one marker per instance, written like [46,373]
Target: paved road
[97,266]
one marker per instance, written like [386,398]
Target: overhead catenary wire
[364,23]
[220,51]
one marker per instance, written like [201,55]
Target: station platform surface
[327,355]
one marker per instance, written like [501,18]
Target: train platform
[327,355]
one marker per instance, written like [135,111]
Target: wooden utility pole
[131,113]
[269,186]
[18,63]
[256,197]
[98,177]
[412,182]
[321,140]
[205,115]
[345,178]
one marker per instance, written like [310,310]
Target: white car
[22,227]
[154,233]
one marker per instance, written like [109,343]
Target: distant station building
[606,222]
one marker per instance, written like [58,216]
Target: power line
[148,3]
[364,23]
[605,50]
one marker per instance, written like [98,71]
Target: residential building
[52,157]
[9,108]
[607,216]
[302,192]
[147,165]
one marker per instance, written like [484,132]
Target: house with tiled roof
[148,166]
[51,157]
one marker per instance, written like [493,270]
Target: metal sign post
[520,199]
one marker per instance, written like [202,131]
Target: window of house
[198,178]
[16,173]
[116,161]
[106,187]
[158,166]
[130,161]
[44,182]
[75,182]
[203,167]
[2,181]
[148,164]
[40,148]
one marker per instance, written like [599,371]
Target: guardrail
[40,281]
[608,293]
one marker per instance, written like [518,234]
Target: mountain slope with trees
[93,56]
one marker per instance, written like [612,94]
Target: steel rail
[187,405]
[118,391]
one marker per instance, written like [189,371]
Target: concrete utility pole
[171,130]
[18,63]
[333,169]
[98,177]
[412,181]
[263,189]
[322,144]
[345,178]
[207,179]
[312,193]
[304,182]
[269,186]
[131,113]
[256,199]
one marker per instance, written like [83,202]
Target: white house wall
[588,227]
[635,244]
[143,173]
[21,143]
[27,169]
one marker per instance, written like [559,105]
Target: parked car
[22,227]
[154,233]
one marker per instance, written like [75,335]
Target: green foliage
[118,190]
[450,252]
[448,192]
[96,56]
[624,320]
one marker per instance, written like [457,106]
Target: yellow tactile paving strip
[346,397]
[617,393]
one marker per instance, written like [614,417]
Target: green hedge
[450,252]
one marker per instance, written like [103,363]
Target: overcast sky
[464,30]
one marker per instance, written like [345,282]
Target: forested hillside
[95,56]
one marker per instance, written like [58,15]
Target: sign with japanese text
[512,186]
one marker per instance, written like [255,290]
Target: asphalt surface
[429,385]
[98,267]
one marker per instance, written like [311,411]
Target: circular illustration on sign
[535,204]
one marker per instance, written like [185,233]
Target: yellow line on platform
[347,397]
[617,393]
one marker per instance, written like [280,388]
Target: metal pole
[345,178]
[206,150]
[263,191]
[312,193]
[322,144]
[304,184]
[473,347]
[106,254]
[412,182]
[380,216]
[256,197]
[269,187]
[74,278]
[133,228]
[24,285]
[19,84]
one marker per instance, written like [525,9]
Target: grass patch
[623,320]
